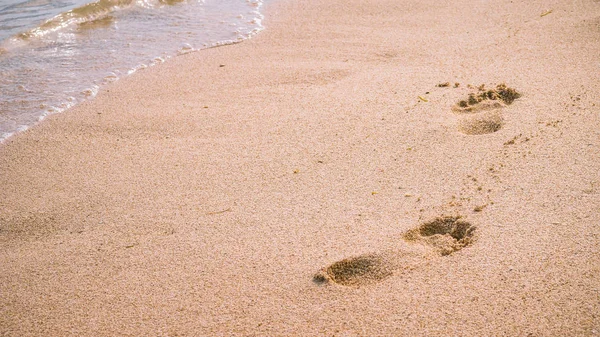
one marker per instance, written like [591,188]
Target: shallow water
[54,54]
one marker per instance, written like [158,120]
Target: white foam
[91,91]
[185,48]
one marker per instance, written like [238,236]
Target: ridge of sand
[200,197]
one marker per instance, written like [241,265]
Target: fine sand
[323,179]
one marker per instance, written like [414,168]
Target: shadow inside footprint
[356,271]
[481,124]
[446,234]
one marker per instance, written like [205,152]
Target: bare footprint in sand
[482,109]
[445,234]
[487,99]
[440,237]
[356,271]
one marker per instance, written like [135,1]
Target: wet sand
[322,179]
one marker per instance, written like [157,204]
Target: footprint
[441,236]
[485,105]
[478,107]
[486,99]
[356,271]
[445,234]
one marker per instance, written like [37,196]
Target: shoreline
[45,73]
[321,179]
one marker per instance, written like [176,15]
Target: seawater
[57,53]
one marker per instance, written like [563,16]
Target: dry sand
[290,185]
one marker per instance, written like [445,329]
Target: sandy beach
[360,168]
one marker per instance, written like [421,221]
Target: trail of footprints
[481,110]
[481,113]
[439,237]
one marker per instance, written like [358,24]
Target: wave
[107,40]
[90,13]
